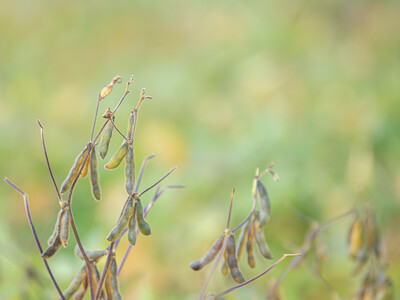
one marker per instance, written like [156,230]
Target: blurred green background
[312,86]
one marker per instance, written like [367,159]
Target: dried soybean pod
[131,121]
[260,238]
[242,239]
[224,266]
[94,176]
[76,282]
[144,227]
[105,91]
[118,157]
[114,279]
[64,227]
[106,138]
[107,284]
[249,245]
[127,212]
[355,239]
[232,259]
[132,226]
[91,255]
[85,167]
[74,170]
[130,170]
[209,256]
[52,249]
[56,228]
[265,214]
[80,293]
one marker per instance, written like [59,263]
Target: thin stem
[299,213]
[78,241]
[126,93]
[244,222]
[162,178]
[144,163]
[128,250]
[257,276]
[230,210]
[103,275]
[214,268]
[28,214]
[95,119]
[61,201]
[116,128]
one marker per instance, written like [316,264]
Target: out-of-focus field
[313,86]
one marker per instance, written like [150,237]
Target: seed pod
[106,138]
[107,284]
[52,249]
[80,293]
[94,176]
[56,228]
[113,280]
[118,157]
[85,167]
[372,232]
[131,121]
[209,256]
[76,282]
[232,259]
[74,170]
[144,227]
[242,239]
[105,91]
[249,245]
[224,267]
[123,220]
[130,170]
[132,226]
[265,214]
[356,238]
[260,238]
[95,255]
[97,279]
[64,228]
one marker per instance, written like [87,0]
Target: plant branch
[28,214]
[230,210]
[103,275]
[116,128]
[144,163]
[162,178]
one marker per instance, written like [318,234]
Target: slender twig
[144,163]
[103,275]
[257,276]
[214,268]
[116,128]
[230,210]
[95,119]
[28,214]
[162,178]
[61,201]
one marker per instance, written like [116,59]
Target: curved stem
[104,274]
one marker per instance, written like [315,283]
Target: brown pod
[73,172]
[94,176]
[106,138]
[209,256]
[356,237]
[242,239]
[130,170]
[372,232]
[232,259]
[105,91]
[75,284]
[64,227]
[127,212]
[113,279]
[224,266]
[249,245]
[265,214]
[85,167]
[260,238]
[56,228]
[80,293]
[52,249]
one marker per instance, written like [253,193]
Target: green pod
[242,240]
[249,245]
[127,212]
[209,256]
[75,284]
[56,229]
[260,238]
[95,255]
[107,284]
[80,293]
[74,170]
[144,227]
[265,214]
[132,227]
[118,157]
[130,170]
[106,138]
[232,260]
[64,228]
[114,279]
[52,249]
[94,176]
[131,121]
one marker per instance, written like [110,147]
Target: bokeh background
[312,86]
